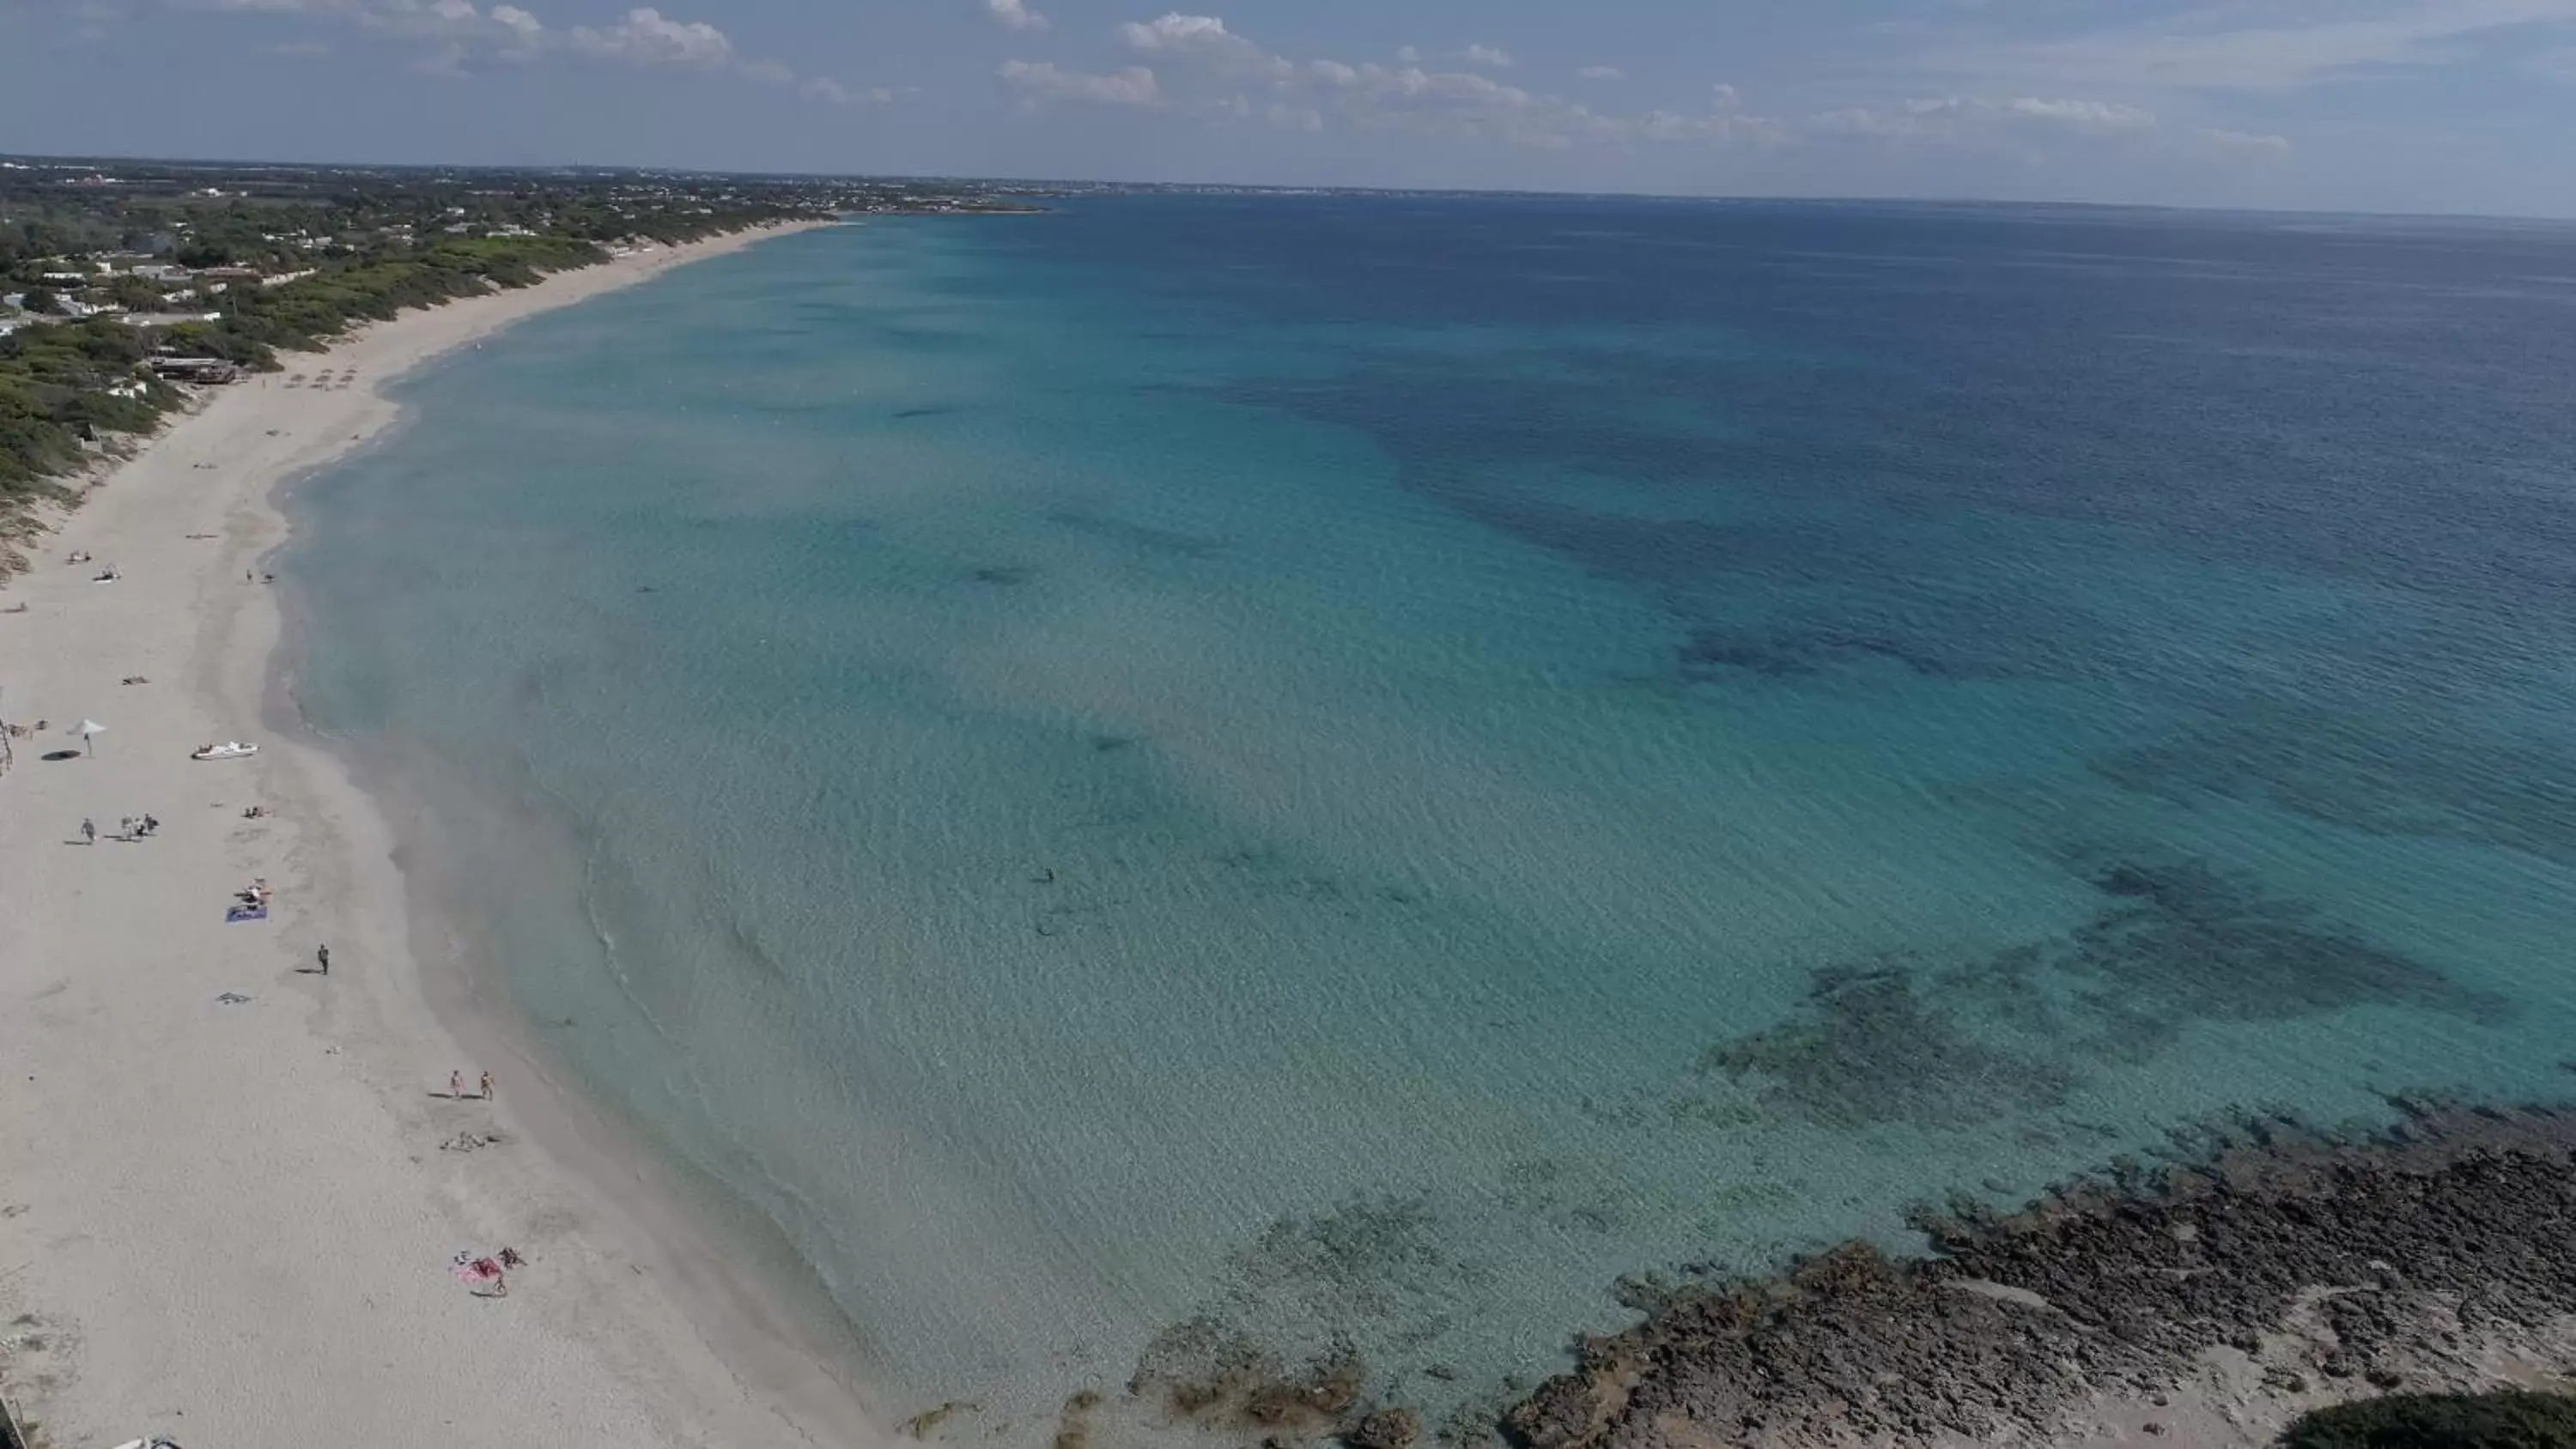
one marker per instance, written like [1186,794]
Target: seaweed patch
[1867,1048]
[1903,1039]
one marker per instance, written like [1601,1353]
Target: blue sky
[2385,105]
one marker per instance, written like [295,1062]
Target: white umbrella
[89,730]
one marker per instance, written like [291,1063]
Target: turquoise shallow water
[1360,769]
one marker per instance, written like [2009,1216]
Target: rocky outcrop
[2379,1255]
[1386,1429]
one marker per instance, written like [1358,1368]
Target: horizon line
[1261,187]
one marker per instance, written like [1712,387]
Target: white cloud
[1015,14]
[1218,76]
[2084,115]
[2222,48]
[1042,81]
[1316,95]
[1177,32]
[647,37]
[1491,57]
[2247,143]
[832,92]
[1203,41]
[1601,73]
[451,35]
[1409,54]
[1968,118]
[523,34]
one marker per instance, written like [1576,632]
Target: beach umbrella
[89,731]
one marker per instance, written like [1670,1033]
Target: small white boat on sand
[228,750]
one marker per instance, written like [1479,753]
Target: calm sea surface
[1357,770]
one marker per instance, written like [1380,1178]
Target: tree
[134,293]
[40,299]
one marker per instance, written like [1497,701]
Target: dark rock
[2459,1208]
[1386,1429]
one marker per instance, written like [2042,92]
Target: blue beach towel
[244,913]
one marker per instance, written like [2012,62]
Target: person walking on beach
[487,1086]
[89,831]
[456,1085]
[322,958]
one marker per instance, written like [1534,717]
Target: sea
[1203,780]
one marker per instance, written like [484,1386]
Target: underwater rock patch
[1900,1038]
[1868,1048]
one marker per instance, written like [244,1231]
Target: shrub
[2510,1420]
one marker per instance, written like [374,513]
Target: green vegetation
[302,315]
[54,395]
[286,258]
[2511,1420]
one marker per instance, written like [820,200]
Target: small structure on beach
[196,369]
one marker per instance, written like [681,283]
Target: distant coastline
[123,284]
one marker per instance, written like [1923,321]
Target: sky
[2358,105]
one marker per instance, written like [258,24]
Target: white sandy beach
[232,1223]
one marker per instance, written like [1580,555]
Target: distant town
[125,283]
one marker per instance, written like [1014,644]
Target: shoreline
[232,1220]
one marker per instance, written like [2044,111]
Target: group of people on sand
[485,1276]
[129,827]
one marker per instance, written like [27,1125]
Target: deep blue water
[1356,769]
